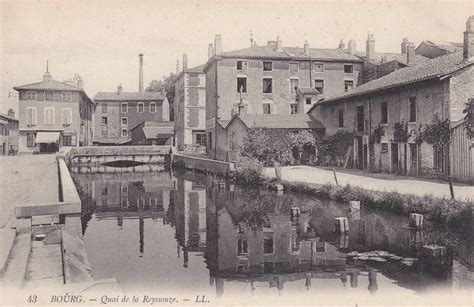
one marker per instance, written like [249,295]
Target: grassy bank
[439,210]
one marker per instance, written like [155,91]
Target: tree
[469,117]
[167,85]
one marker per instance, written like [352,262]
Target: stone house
[8,133]
[434,90]
[54,114]
[266,79]
[190,108]
[152,133]
[231,134]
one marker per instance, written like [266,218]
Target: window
[267,66]
[241,65]
[268,245]
[31,116]
[67,140]
[318,67]
[152,107]
[104,190]
[348,84]
[384,113]
[140,107]
[124,188]
[104,133]
[200,139]
[308,101]
[293,86]
[66,116]
[124,132]
[294,108]
[40,96]
[294,67]
[49,116]
[319,85]
[242,247]
[231,144]
[341,118]
[384,147]
[266,108]
[30,139]
[241,85]
[412,109]
[348,69]
[267,85]
[103,120]
[49,95]
[104,108]
[124,121]
[60,96]
[124,107]
[68,96]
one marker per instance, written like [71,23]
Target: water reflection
[208,234]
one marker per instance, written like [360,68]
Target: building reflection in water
[252,236]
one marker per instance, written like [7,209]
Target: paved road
[26,180]
[406,186]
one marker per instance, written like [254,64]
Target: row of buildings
[341,89]
[54,114]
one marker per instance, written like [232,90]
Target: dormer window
[241,65]
[267,66]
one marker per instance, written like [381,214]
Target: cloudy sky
[101,40]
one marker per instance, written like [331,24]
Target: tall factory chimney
[140,73]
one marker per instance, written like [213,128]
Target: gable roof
[448,46]
[3,115]
[384,57]
[290,53]
[127,96]
[279,121]
[435,68]
[51,85]
[152,123]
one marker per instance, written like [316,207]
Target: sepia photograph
[236,153]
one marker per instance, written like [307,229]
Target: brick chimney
[251,39]
[185,61]
[352,47]
[272,44]
[279,44]
[177,67]
[210,51]
[410,52]
[404,45]
[370,46]
[342,45]
[11,113]
[468,50]
[140,73]
[119,89]
[217,44]
[47,76]
[306,47]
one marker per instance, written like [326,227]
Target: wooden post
[451,188]
[335,177]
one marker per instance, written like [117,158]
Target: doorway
[360,153]
[413,159]
[394,151]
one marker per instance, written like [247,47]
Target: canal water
[188,235]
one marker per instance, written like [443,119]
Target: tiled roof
[308,91]
[448,46]
[196,69]
[223,122]
[281,121]
[127,96]
[7,117]
[437,67]
[155,132]
[388,57]
[268,52]
[152,123]
[52,85]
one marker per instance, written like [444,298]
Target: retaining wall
[203,165]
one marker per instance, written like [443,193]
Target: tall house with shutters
[272,79]
[54,114]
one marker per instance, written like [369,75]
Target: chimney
[279,45]
[410,52]
[342,45]
[218,44]
[11,113]
[185,61]
[404,45]
[79,81]
[306,48]
[272,44]
[370,46]
[140,73]
[251,39]
[119,89]
[177,67]
[210,51]
[352,47]
[468,50]
[47,76]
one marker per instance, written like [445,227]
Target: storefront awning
[47,137]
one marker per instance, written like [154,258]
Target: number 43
[32,299]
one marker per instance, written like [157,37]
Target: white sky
[101,40]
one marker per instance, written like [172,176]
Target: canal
[189,234]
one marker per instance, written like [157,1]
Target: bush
[248,170]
